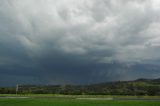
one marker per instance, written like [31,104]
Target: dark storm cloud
[68,41]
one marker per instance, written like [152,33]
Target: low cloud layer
[79,42]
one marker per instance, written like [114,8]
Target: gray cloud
[68,41]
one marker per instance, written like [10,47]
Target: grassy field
[72,102]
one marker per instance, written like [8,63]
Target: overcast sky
[78,41]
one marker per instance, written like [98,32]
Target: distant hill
[136,87]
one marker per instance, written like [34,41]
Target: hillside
[137,87]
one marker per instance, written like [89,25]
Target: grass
[72,102]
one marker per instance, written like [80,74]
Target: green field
[59,100]
[73,102]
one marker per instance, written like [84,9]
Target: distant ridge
[136,87]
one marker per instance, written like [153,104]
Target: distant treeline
[137,87]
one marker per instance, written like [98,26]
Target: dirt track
[143,99]
[146,99]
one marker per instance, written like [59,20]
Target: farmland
[70,100]
[141,92]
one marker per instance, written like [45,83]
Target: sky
[78,41]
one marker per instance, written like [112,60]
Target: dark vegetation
[138,87]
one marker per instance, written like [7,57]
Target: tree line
[137,87]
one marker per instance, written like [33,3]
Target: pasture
[62,100]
